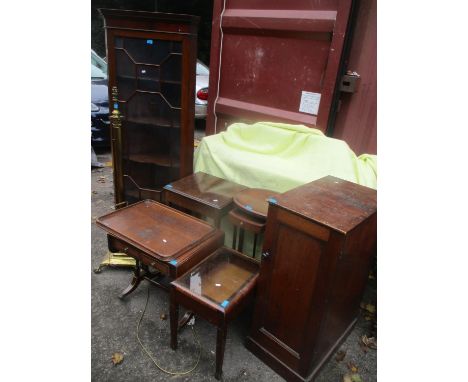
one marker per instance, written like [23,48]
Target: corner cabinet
[317,250]
[151,70]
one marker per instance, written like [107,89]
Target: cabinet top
[149,21]
[336,203]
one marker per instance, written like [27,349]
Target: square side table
[203,193]
[217,289]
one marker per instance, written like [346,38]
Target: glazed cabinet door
[290,289]
[147,79]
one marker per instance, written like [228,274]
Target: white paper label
[195,283]
[310,102]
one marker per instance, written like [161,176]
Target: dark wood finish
[217,290]
[160,237]
[254,201]
[151,58]
[242,221]
[204,194]
[304,36]
[318,246]
[155,228]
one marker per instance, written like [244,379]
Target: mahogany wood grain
[254,201]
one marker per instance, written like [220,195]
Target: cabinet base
[285,371]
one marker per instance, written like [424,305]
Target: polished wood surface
[254,201]
[248,222]
[217,290]
[331,201]
[318,245]
[204,194]
[164,242]
[219,277]
[155,228]
[207,189]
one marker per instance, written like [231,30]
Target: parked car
[100,124]
[100,131]
[201,90]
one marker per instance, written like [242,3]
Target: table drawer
[117,245]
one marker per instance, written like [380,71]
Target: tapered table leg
[240,247]
[254,245]
[217,221]
[234,238]
[220,345]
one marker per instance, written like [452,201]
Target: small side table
[254,201]
[204,194]
[159,237]
[217,289]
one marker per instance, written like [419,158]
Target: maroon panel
[356,121]
[264,54]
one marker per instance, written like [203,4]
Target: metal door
[275,61]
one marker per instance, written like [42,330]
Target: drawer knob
[265,255]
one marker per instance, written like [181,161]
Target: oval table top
[254,201]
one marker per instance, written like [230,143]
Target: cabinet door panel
[296,260]
[148,78]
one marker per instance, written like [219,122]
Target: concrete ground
[114,324]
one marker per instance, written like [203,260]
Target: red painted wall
[356,121]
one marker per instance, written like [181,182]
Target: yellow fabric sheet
[280,157]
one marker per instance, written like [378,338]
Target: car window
[99,63]
[97,73]
[202,70]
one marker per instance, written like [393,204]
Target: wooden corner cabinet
[317,250]
[151,70]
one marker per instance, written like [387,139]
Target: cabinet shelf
[157,159]
[152,123]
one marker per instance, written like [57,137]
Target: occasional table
[217,290]
[159,237]
[254,201]
[204,194]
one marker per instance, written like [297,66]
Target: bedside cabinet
[319,242]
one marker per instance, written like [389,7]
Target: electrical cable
[151,357]
[219,64]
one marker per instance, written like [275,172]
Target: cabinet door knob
[265,255]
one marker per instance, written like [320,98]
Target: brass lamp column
[116,135]
[116,258]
